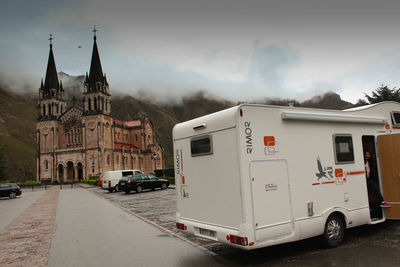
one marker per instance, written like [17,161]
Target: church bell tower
[96,97]
[51,92]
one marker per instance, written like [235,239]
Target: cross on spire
[51,39]
[94,31]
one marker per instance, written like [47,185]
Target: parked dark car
[10,190]
[140,182]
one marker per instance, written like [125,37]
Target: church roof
[129,124]
[125,147]
[51,80]
[96,72]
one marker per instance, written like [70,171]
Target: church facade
[80,142]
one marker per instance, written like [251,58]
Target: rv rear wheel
[116,188]
[334,231]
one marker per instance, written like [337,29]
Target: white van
[253,176]
[111,178]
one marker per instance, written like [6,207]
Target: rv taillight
[243,241]
[181,226]
[109,183]
[129,180]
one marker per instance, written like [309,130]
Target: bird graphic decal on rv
[323,171]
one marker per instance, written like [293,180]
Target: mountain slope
[17,133]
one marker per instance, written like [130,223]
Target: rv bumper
[232,237]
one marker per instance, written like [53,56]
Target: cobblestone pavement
[26,241]
[376,244]
[158,206]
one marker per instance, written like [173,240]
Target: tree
[383,93]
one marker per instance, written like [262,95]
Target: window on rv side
[343,148]
[200,146]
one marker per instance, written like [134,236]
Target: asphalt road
[369,245]
[10,209]
[90,231]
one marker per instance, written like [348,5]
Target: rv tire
[116,188]
[334,231]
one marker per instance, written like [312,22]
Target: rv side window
[343,149]
[200,146]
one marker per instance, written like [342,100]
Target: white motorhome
[111,178]
[253,176]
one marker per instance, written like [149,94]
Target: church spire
[96,98]
[51,80]
[96,72]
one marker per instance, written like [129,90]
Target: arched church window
[89,104]
[106,105]
[149,139]
[117,160]
[136,138]
[95,103]
[79,135]
[69,138]
[46,165]
[44,110]
[108,159]
[49,109]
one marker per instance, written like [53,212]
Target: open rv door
[389,160]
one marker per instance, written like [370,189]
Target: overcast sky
[240,50]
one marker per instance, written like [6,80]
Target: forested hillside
[17,133]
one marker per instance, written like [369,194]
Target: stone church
[79,142]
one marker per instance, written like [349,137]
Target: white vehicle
[111,178]
[253,176]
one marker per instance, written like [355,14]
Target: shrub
[29,183]
[168,172]
[90,182]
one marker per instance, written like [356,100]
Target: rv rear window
[343,149]
[396,118]
[200,146]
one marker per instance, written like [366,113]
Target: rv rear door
[389,158]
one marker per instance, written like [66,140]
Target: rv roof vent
[396,118]
[201,126]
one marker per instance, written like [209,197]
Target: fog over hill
[18,114]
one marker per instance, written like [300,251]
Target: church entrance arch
[70,171]
[80,171]
[60,173]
